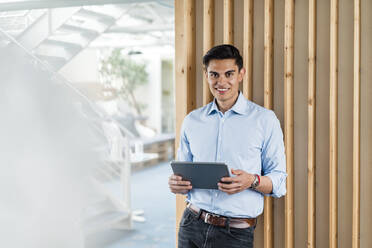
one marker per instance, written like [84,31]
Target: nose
[222,80]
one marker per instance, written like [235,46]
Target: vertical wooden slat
[311,156]
[268,50]
[185,73]
[208,42]
[268,103]
[248,49]
[190,38]
[181,89]
[228,21]
[333,126]
[288,119]
[356,129]
[180,86]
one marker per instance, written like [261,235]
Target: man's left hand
[233,185]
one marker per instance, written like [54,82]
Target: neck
[223,106]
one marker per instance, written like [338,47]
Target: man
[245,136]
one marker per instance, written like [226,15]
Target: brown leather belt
[222,221]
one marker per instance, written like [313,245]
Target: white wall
[84,69]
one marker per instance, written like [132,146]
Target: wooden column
[181,89]
[288,119]
[208,42]
[268,103]
[356,129]
[333,127]
[311,156]
[185,74]
[190,53]
[228,22]
[248,49]
[268,50]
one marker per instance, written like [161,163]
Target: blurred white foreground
[46,159]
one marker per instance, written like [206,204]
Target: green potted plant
[125,75]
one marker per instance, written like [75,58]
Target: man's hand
[233,185]
[178,186]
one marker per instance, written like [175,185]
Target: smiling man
[245,136]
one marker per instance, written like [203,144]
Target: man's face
[223,77]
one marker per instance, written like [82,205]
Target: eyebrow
[224,72]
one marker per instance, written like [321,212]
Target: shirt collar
[213,107]
[239,107]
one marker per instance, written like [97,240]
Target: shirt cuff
[278,180]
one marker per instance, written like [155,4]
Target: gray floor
[150,193]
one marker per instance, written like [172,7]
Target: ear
[206,74]
[241,74]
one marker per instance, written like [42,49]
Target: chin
[221,98]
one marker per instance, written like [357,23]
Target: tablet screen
[202,175]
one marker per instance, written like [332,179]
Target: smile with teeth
[221,89]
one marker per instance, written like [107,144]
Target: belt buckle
[206,218]
[207,215]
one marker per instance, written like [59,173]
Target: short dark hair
[223,52]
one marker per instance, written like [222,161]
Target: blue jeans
[194,233]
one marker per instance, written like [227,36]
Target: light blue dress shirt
[247,137]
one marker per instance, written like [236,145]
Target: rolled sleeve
[184,151]
[273,157]
[278,180]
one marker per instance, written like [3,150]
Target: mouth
[221,90]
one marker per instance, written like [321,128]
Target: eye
[229,74]
[213,75]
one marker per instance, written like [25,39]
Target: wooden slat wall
[248,49]
[288,119]
[268,53]
[181,88]
[268,103]
[190,52]
[311,156]
[228,22]
[322,103]
[185,74]
[208,41]
[356,128]
[333,128]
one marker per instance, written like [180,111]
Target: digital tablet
[202,175]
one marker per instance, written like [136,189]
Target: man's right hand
[178,186]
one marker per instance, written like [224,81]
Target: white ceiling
[145,22]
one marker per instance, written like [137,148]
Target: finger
[175,177]
[229,179]
[181,187]
[176,188]
[173,182]
[236,172]
[229,186]
[183,182]
[226,179]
